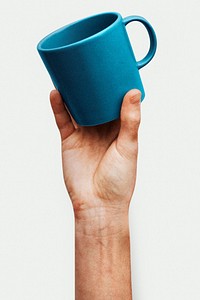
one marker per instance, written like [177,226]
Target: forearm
[102,258]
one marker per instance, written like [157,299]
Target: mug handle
[152,37]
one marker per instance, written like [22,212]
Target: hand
[99,162]
[99,166]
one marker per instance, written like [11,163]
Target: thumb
[127,141]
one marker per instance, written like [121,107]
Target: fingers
[127,141]
[62,117]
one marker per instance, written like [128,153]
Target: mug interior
[78,31]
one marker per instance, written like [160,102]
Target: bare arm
[99,166]
[103,260]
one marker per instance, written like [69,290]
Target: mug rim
[59,30]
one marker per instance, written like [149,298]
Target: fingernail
[135,96]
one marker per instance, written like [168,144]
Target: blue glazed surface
[92,64]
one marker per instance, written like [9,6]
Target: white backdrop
[36,219]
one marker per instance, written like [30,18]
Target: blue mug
[92,65]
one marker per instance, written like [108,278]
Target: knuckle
[132,119]
[128,151]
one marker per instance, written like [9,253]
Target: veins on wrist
[101,222]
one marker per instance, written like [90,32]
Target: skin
[99,168]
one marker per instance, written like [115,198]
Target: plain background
[36,219]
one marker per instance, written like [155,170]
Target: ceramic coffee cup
[92,64]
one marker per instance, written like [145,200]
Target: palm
[96,169]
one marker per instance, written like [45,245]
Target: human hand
[100,162]
[99,167]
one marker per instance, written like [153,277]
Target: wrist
[102,222]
